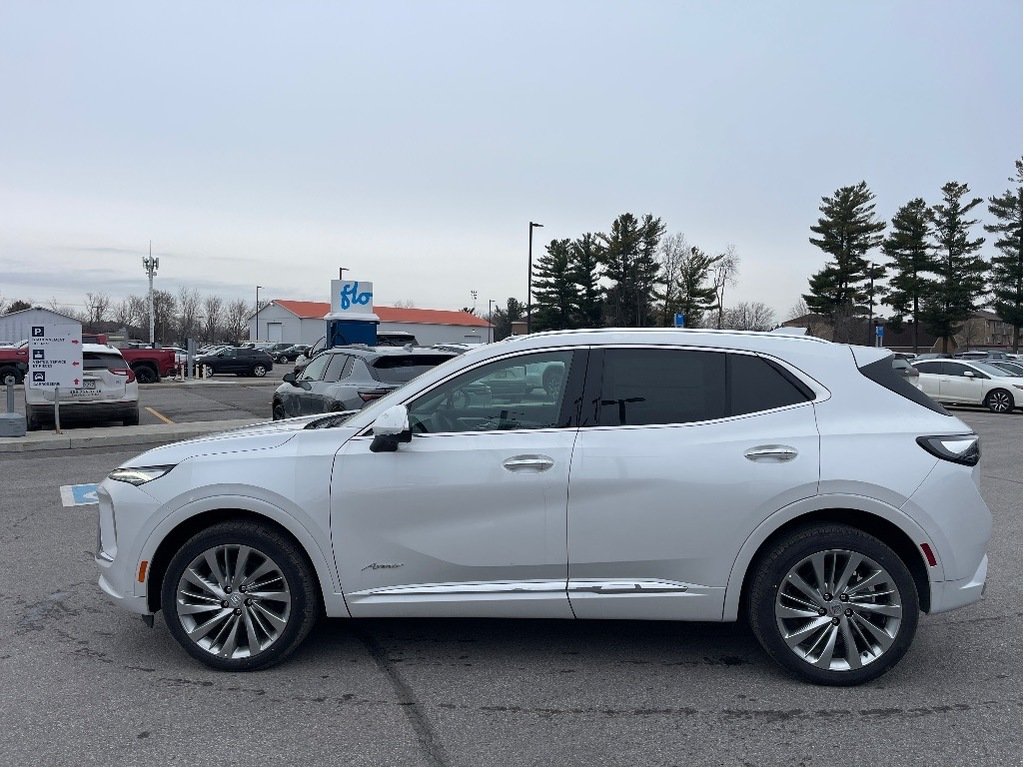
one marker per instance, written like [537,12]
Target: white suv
[670,474]
[108,392]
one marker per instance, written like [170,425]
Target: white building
[17,326]
[302,322]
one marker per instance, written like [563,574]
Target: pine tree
[628,261]
[1008,265]
[502,319]
[961,271]
[909,246]
[846,231]
[687,275]
[585,260]
[555,292]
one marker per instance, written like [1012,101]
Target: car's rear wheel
[278,412]
[282,359]
[999,401]
[833,605]
[145,374]
[208,371]
[259,370]
[239,596]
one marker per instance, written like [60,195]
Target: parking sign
[55,356]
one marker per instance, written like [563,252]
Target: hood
[257,437]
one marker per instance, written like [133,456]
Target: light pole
[490,321]
[258,312]
[529,282]
[151,265]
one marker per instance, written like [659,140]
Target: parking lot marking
[79,495]
[159,415]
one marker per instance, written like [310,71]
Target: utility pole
[490,321]
[529,282]
[151,265]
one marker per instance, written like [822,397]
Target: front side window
[339,367]
[524,392]
[315,370]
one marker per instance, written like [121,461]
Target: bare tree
[723,274]
[67,310]
[749,316]
[405,304]
[123,313]
[235,326]
[139,312]
[164,310]
[96,306]
[213,309]
[799,309]
[189,317]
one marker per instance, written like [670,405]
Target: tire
[274,620]
[208,371]
[9,370]
[999,401]
[32,422]
[131,419]
[283,359]
[278,412]
[146,375]
[845,639]
[259,370]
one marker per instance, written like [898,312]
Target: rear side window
[755,384]
[97,361]
[398,369]
[653,386]
[882,373]
[339,367]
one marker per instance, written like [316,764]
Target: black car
[347,378]
[241,361]
[289,354]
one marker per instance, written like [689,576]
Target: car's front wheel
[833,605]
[999,401]
[239,596]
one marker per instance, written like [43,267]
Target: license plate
[89,384]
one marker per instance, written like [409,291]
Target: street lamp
[151,265]
[490,321]
[529,281]
[258,312]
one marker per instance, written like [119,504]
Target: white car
[108,392]
[671,474]
[970,382]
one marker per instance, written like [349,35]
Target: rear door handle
[537,463]
[774,453]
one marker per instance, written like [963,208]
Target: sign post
[879,333]
[55,361]
[680,320]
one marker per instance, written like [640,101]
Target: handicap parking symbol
[79,495]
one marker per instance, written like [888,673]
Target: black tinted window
[929,367]
[338,368]
[398,369]
[94,361]
[882,373]
[757,385]
[655,386]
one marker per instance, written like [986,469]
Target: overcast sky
[412,142]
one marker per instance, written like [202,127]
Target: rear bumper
[97,411]
[947,595]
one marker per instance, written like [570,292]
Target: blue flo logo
[350,295]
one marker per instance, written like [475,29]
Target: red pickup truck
[149,364]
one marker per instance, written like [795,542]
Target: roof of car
[105,348]
[383,351]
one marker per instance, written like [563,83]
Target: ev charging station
[351,319]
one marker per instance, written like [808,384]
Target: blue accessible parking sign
[79,495]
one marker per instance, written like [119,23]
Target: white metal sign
[351,297]
[55,356]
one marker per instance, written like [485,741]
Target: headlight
[139,475]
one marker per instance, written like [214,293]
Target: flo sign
[351,297]
[55,356]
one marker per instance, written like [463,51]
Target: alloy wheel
[838,610]
[233,601]
[999,401]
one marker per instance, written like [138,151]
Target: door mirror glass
[290,378]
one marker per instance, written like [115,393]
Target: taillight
[366,395]
[960,449]
[124,372]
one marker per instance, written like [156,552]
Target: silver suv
[347,378]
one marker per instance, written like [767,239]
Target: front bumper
[122,529]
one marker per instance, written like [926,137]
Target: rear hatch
[104,379]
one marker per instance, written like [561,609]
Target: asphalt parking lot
[84,682]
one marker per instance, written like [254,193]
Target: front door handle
[536,462]
[774,453]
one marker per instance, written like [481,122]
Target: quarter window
[315,370]
[338,368]
[757,385]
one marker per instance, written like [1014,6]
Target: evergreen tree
[502,319]
[687,275]
[846,231]
[628,261]
[19,304]
[585,261]
[1008,265]
[555,292]
[909,247]
[961,271]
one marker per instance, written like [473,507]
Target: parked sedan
[241,361]
[970,382]
[347,378]
[291,353]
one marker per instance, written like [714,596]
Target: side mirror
[290,378]
[390,429]
[969,374]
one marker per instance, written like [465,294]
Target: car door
[309,394]
[468,518]
[959,387]
[681,454]
[930,376]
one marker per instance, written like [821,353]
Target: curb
[100,437]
